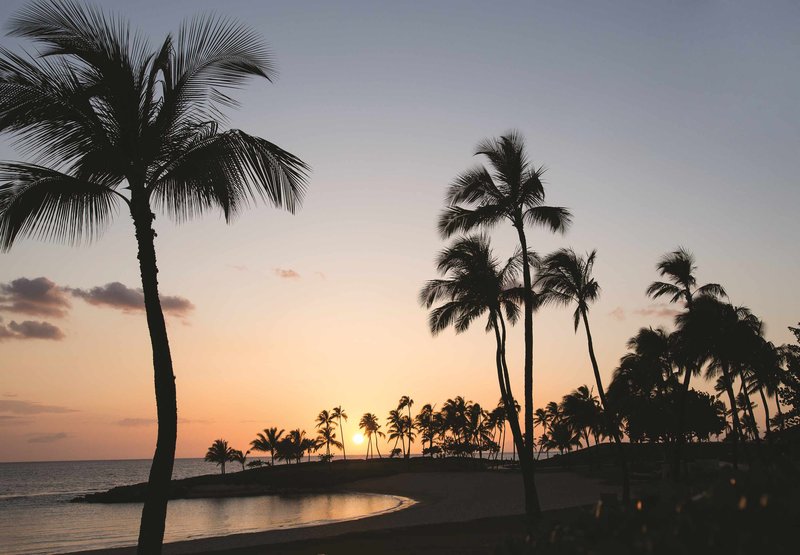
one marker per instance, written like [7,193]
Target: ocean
[37,517]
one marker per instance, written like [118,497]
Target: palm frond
[456,219]
[229,170]
[37,201]
[557,219]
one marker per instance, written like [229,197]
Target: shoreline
[441,498]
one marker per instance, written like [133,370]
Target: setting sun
[358,439]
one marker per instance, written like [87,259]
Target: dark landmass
[303,477]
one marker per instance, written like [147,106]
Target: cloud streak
[14,406]
[287,273]
[47,438]
[121,297]
[658,311]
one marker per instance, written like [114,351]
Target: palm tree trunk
[154,511]
[626,486]
[749,405]
[734,414]
[780,412]
[344,453]
[410,431]
[377,447]
[680,438]
[528,333]
[766,413]
[532,508]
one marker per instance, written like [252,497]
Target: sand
[442,497]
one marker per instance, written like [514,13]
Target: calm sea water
[36,516]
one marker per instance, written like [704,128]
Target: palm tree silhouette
[397,429]
[512,191]
[267,442]
[339,413]
[239,457]
[121,124]
[476,284]
[582,410]
[566,278]
[325,433]
[407,402]
[678,268]
[219,453]
[371,427]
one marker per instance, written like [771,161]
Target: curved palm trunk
[626,485]
[780,412]
[532,508]
[528,333]
[410,431]
[377,448]
[154,512]
[734,414]
[754,427]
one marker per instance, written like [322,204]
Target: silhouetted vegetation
[120,123]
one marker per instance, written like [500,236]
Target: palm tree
[267,442]
[476,284]
[372,429]
[326,437]
[407,402]
[121,124]
[397,429]
[425,424]
[219,453]
[239,457]
[512,191]
[338,413]
[582,410]
[725,336]
[678,268]
[566,278]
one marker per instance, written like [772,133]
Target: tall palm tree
[407,402]
[267,442]
[511,190]
[678,269]
[220,453]
[582,410]
[338,413]
[397,429]
[326,437]
[566,278]
[476,284]
[372,429]
[119,123]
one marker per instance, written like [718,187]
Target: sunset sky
[661,125]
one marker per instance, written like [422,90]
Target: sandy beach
[443,498]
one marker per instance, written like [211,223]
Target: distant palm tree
[424,422]
[326,437]
[476,284]
[338,413]
[220,453]
[566,278]
[121,124]
[407,402]
[240,457]
[512,191]
[678,268]
[267,442]
[582,410]
[371,427]
[397,429]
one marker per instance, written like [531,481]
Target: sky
[661,124]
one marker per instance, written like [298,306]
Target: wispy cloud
[13,420]
[47,438]
[286,273]
[14,406]
[144,422]
[618,313]
[658,311]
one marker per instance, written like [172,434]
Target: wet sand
[443,498]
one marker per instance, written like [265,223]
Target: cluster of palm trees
[712,337]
